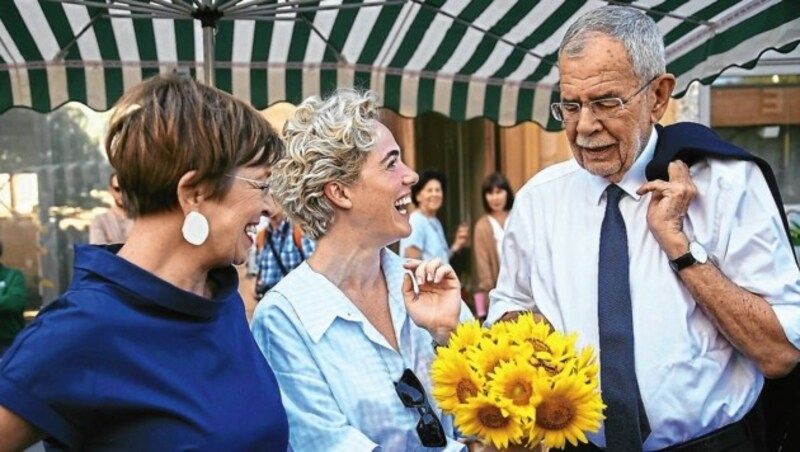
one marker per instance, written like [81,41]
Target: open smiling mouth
[251,230]
[402,204]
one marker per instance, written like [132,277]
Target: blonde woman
[350,345]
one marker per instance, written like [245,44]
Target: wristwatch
[696,255]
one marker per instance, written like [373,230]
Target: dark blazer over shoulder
[690,143]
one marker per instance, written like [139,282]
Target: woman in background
[149,349]
[498,198]
[427,239]
[112,226]
[350,346]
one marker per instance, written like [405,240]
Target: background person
[13,296]
[281,247]
[150,348]
[427,239]
[498,198]
[707,330]
[113,226]
[341,330]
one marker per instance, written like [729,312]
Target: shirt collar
[631,181]
[101,261]
[318,317]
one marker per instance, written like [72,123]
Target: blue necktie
[626,424]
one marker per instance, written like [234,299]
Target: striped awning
[461,58]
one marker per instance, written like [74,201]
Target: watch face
[698,252]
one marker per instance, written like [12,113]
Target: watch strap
[682,262]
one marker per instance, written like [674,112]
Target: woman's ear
[190,194]
[338,194]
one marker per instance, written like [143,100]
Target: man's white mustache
[588,144]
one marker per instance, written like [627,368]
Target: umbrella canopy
[461,58]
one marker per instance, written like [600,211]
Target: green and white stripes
[461,58]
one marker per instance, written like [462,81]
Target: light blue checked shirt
[269,272]
[336,371]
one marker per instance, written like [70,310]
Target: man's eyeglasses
[608,108]
[258,184]
[412,394]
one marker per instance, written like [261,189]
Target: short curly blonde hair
[327,140]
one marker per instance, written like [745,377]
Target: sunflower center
[520,393]
[490,416]
[555,413]
[466,389]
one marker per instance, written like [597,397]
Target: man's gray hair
[327,140]
[637,32]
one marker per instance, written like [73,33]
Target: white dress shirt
[692,380]
[336,371]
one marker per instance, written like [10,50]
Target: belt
[718,440]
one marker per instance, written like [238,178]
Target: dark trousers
[747,435]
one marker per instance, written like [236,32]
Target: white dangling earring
[195,228]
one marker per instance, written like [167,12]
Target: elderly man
[687,286]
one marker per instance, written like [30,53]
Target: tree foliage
[58,147]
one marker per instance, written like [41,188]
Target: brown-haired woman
[150,349]
[498,198]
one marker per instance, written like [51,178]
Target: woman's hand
[438,307]
[461,239]
[16,433]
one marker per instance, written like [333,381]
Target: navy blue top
[126,361]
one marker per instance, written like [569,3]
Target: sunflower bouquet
[518,383]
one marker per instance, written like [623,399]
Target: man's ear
[662,89]
[338,194]
[190,194]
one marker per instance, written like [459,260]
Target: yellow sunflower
[586,364]
[498,329]
[489,419]
[454,381]
[568,408]
[512,381]
[526,329]
[488,354]
[466,336]
[554,353]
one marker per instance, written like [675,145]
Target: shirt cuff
[497,308]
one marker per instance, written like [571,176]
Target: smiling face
[496,199]
[234,217]
[383,192]
[430,197]
[605,148]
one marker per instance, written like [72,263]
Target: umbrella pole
[208,54]
[208,15]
